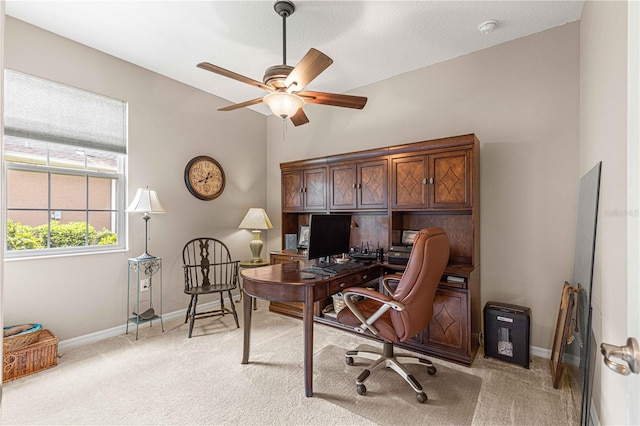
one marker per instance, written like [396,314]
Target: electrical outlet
[145,284]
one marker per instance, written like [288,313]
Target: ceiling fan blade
[345,101]
[230,74]
[299,118]
[241,105]
[309,67]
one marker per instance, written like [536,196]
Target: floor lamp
[146,201]
[255,220]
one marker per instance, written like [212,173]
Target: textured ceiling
[369,41]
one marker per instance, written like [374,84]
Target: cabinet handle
[343,285]
[431,181]
[355,186]
[424,181]
[364,277]
[359,186]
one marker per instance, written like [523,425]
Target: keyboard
[334,269]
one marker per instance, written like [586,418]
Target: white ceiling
[369,41]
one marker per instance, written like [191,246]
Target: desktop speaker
[290,241]
[506,332]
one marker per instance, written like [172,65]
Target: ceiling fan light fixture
[283,104]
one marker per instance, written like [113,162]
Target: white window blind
[39,109]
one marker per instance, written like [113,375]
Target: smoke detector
[488,26]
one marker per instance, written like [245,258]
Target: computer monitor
[328,235]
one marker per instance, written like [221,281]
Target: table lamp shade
[255,220]
[145,201]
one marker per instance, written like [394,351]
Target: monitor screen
[328,235]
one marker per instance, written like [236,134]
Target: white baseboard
[116,331]
[88,339]
[541,352]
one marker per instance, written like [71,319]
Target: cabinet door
[372,185]
[343,187]
[291,191]
[315,189]
[409,178]
[451,184]
[449,327]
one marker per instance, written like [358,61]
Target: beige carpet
[389,399]
[168,379]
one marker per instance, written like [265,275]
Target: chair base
[192,314]
[388,360]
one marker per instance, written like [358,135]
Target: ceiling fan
[286,84]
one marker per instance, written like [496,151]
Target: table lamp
[146,201]
[255,220]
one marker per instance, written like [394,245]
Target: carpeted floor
[166,378]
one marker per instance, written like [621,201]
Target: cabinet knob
[431,181]
[355,186]
[424,181]
[343,285]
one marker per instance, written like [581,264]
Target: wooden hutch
[388,190]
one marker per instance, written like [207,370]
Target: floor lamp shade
[256,219]
[145,201]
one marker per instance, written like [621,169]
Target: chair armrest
[367,323]
[375,295]
[387,278]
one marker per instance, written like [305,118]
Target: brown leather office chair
[208,269]
[403,312]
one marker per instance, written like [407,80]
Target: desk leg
[308,342]
[246,304]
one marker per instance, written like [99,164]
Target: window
[64,162]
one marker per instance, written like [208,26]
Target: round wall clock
[204,178]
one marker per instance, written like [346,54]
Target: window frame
[119,209]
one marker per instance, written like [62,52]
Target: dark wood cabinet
[304,190]
[362,185]
[390,190]
[434,181]
[409,182]
[450,180]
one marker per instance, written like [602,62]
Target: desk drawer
[358,279]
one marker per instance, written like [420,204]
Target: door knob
[630,353]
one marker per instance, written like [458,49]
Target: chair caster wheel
[362,389]
[421,397]
[349,360]
[431,370]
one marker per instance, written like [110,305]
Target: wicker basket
[31,359]
[338,302]
[23,339]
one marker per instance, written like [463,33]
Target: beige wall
[522,101]
[603,137]
[169,123]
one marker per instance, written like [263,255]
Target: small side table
[144,270]
[251,264]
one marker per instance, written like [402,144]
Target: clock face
[204,178]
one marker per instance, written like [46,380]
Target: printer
[398,254]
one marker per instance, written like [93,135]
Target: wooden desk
[251,264]
[285,283]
